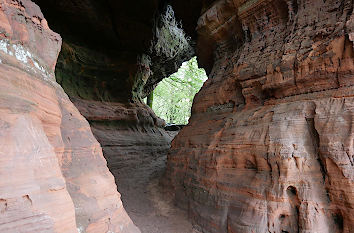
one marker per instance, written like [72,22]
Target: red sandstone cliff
[278,112]
[269,147]
[53,174]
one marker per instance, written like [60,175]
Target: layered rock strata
[130,134]
[54,177]
[278,114]
[106,67]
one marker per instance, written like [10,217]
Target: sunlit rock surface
[269,147]
[53,174]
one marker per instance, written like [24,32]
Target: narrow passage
[150,208]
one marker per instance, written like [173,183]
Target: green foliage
[173,97]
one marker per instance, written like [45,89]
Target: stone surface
[130,134]
[105,44]
[99,69]
[54,177]
[269,147]
[135,146]
[277,111]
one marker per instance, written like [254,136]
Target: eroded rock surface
[269,147]
[278,110]
[54,177]
[130,134]
[106,67]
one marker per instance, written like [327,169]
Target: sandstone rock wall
[277,109]
[102,69]
[53,174]
[106,67]
[130,134]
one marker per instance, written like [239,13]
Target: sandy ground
[150,208]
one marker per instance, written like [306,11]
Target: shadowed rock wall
[106,67]
[130,134]
[269,144]
[54,177]
[269,147]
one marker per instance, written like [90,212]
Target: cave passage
[268,146]
[113,54]
[173,97]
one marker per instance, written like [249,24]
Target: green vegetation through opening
[173,97]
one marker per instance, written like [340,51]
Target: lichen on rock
[169,38]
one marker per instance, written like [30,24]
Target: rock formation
[106,67]
[278,114]
[53,174]
[130,134]
[59,179]
[269,147]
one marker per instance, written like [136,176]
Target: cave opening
[172,99]
[113,54]
[74,128]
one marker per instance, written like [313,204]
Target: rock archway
[269,145]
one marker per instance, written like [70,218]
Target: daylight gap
[173,97]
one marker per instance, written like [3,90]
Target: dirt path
[148,206]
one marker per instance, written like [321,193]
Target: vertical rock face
[53,174]
[130,134]
[106,66]
[278,112]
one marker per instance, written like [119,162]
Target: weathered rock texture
[106,53]
[106,67]
[130,134]
[102,69]
[53,174]
[269,147]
